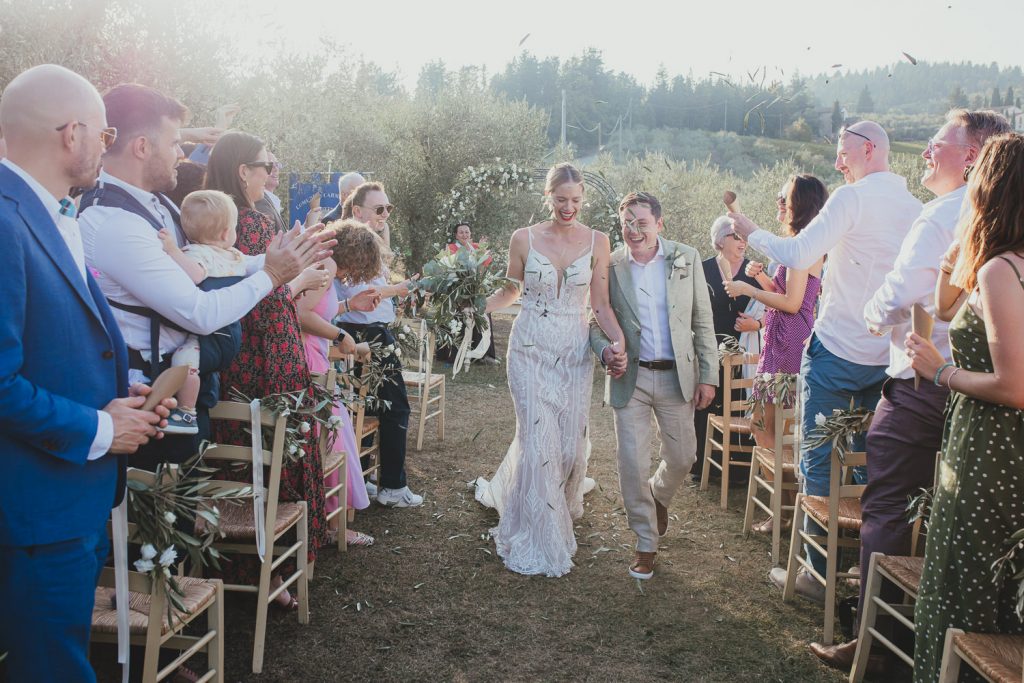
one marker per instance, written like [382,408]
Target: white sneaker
[399,498]
[371,490]
[807,587]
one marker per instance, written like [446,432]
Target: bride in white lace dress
[538,488]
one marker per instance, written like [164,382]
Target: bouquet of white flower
[459,284]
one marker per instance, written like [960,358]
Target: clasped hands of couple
[615,359]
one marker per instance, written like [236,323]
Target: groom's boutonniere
[680,268]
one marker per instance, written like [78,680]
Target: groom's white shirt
[650,288]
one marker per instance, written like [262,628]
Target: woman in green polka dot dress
[979,501]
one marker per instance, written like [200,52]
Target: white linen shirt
[650,288]
[912,281]
[133,268]
[861,228]
[104,423]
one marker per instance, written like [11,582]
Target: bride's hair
[560,174]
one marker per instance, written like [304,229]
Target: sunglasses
[107,135]
[267,166]
[780,199]
[934,144]
[379,210]
[844,131]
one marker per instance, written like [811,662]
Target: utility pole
[725,117]
[563,117]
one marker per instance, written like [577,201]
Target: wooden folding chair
[839,514]
[422,382]
[731,421]
[334,460]
[778,462]
[995,657]
[148,622]
[365,426]
[237,521]
[904,572]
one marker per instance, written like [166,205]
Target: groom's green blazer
[689,314]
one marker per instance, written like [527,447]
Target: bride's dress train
[538,488]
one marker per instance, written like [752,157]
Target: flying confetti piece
[910,59]
[523,40]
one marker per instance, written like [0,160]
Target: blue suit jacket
[61,359]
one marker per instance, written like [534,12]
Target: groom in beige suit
[668,368]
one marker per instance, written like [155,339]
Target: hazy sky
[636,37]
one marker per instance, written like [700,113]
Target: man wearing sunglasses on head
[861,228]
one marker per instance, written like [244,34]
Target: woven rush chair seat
[1000,657]
[736,424]
[198,594]
[237,524]
[333,460]
[849,511]
[370,425]
[766,457]
[417,378]
[905,571]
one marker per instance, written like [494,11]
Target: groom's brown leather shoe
[643,565]
[841,657]
[662,513]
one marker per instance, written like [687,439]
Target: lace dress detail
[538,488]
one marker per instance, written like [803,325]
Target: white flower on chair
[144,566]
[147,551]
[820,419]
[168,556]
[170,517]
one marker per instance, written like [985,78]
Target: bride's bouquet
[459,284]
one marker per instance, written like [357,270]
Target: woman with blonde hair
[561,265]
[978,504]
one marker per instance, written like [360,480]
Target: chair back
[733,364]
[273,460]
[424,362]
[329,381]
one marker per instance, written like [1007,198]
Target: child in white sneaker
[208,218]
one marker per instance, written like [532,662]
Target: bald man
[861,228]
[64,433]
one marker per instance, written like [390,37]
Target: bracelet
[348,309]
[938,375]
[945,269]
[949,382]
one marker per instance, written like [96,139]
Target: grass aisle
[432,602]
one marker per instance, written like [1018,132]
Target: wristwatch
[341,335]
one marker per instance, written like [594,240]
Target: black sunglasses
[268,166]
[379,210]
[844,131]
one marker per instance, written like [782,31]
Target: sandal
[358,538]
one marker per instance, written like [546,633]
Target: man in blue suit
[67,417]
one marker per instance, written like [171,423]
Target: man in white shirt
[906,431]
[123,248]
[861,228]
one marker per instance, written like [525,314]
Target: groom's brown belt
[658,364]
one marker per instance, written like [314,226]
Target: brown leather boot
[841,657]
[643,565]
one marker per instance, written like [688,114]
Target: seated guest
[462,238]
[906,430]
[731,320]
[360,256]
[369,203]
[155,303]
[790,298]
[272,358]
[977,500]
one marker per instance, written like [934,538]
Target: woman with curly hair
[359,254]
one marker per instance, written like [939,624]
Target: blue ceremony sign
[301,191]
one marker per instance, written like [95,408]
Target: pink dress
[316,358]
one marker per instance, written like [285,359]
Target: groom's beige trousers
[657,392]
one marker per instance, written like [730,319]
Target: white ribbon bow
[259,495]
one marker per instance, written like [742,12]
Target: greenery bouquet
[459,284]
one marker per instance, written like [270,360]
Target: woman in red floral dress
[272,358]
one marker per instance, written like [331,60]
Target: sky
[732,37]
